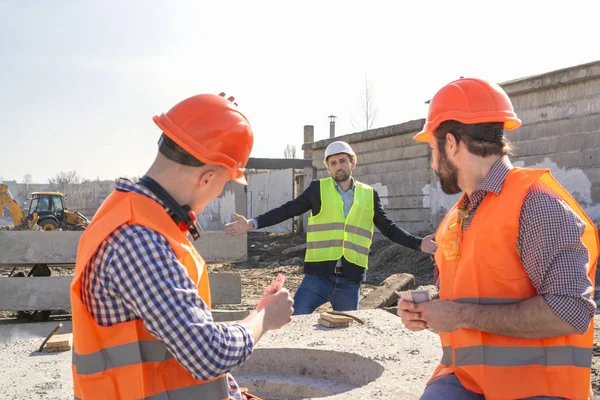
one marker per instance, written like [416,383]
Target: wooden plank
[336,319]
[28,247]
[52,293]
[64,340]
[330,324]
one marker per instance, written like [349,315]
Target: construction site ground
[266,260]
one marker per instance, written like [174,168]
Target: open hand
[240,226]
[428,244]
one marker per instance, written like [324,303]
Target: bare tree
[366,110]
[27,189]
[290,151]
[65,178]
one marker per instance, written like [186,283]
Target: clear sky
[81,80]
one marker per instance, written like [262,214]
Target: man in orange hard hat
[517,260]
[142,325]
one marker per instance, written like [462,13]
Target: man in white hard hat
[344,213]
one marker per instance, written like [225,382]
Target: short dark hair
[484,140]
[174,152]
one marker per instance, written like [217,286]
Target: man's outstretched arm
[396,234]
[301,204]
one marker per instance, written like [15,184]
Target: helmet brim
[510,124]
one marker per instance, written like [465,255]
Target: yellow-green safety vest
[331,235]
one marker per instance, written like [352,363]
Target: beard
[341,176]
[448,174]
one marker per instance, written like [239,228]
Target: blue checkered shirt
[136,275]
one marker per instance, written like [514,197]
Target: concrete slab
[52,293]
[28,247]
[377,360]
[11,330]
[384,295]
[229,315]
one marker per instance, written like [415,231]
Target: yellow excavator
[46,209]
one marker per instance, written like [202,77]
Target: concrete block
[28,247]
[399,166]
[558,144]
[409,215]
[407,202]
[11,331]
[544,129]
[397,153]
[225,288]
[556,94]
[392,130]
[585,158]
[593,174]
[415,227]
[421,176]
[407,189]
[229,315]
[384,295]
[52,293]
[277,163]
[596,192]
[570,109]
[384,143]
[556,78]
[38,247]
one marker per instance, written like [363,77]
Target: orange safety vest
[125,361]
[488,270]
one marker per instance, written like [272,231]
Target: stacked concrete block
[561,129]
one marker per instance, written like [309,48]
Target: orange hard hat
[210,128]
[470,101]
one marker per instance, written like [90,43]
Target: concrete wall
[560,111]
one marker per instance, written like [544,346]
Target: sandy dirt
[27,374]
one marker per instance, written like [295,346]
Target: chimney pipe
[309,137]
[332,126]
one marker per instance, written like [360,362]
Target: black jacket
[310,199]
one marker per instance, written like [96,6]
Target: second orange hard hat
[470,101]
[210,128]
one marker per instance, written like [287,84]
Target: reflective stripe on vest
[331,235]
[506,356]
[488,270]
[120,356]
[217,389]
[125,360]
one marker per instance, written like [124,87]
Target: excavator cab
[52,213]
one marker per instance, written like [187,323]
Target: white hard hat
[338,147]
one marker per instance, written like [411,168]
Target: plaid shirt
[549,245]
[136,275]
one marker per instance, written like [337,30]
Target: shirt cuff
[248,335]
[253,220]
[575,311]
